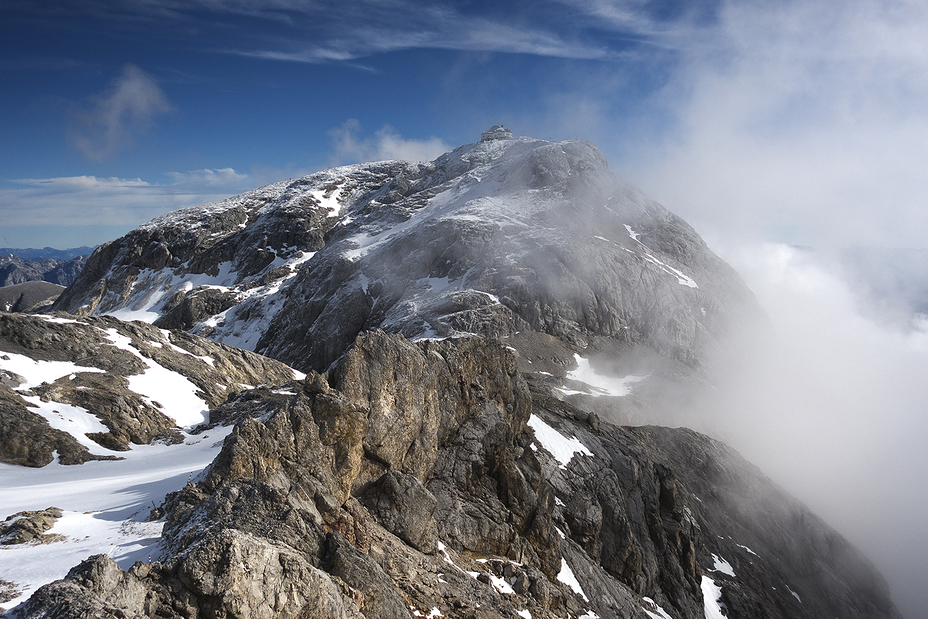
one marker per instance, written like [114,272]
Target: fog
[806,124]
[832,405]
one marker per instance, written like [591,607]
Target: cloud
[118,116]
[208,177]
[385,144]
[92,200]
[326,31]
[831,404]
[803,122]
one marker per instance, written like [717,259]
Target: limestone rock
[416,476]
[25,527]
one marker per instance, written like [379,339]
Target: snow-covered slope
[131,403]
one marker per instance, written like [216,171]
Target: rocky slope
[519,238]
[427,480]
[79,390]
[28,296]
[458,322]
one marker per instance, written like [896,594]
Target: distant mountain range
[47,253]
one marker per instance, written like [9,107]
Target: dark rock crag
[409,479]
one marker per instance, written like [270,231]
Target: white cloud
[91,200]
[117,117]
[803,122]
[831,404]
[386,143]
[208,177]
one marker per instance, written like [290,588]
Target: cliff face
[415,477]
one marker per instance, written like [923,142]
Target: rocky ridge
[418,479]
[16,270]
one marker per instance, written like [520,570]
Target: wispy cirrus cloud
[318,31]
[115,118]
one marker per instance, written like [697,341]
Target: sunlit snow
[37,372]
[105,504]
[653,609]
[723,566]
[711,594]
[164,389]
[74,420]
[566,576]
[600,384]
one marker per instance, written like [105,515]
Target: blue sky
[800,122]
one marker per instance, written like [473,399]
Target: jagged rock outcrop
[24,527]
[55,368]
[415,477]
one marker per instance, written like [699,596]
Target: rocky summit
[418,374]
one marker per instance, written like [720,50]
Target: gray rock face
[26,527]
[415,477]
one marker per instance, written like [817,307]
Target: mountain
[517,238]
[16,270]
[47,253]
[455,330]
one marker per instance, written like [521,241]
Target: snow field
[600,384]
[105,504]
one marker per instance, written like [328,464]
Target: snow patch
[38,372]
[76,421]
[711,596]
[653,609]
[174,393]
[562,448]
[723,566]
[566,576]
[600,384]
[749,550]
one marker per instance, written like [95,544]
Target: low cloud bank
[833,405]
